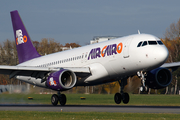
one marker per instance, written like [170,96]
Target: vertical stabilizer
[25,49]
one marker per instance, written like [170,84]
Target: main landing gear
[121,96]
[58,97]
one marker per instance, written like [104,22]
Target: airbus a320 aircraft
[95,64]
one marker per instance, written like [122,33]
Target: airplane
[114,60]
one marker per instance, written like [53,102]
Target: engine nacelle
[61,80]
[158,78]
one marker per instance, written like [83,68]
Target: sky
[69,21]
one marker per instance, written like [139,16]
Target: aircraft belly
[98,71]
[117,67]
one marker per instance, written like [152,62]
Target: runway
[91,108]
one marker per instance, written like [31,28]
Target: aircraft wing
[39,72]
[172,66]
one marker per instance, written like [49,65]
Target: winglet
[25,49]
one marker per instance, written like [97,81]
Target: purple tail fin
[25,49]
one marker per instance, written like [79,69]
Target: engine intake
[61,80]
[158,78]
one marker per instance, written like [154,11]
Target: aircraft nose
[161,54]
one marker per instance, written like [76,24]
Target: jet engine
[158,78]
[61,80]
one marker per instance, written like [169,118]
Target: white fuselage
[108,61]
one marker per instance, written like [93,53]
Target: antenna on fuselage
[139,32]
[70,47]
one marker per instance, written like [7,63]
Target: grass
[92,99]
[16,115]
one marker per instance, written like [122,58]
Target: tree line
[8,56]
[8,53]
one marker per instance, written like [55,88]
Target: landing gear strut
[58,97]
[122,96]
[142,75]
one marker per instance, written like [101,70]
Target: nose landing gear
[143,87]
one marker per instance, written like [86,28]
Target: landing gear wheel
[54,99]
[125,98]
[117,98]
[62,99]
[142,89]
[147,88]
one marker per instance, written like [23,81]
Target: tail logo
[20,38]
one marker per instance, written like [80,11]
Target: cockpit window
[152,42]
[144,43]
[160,42]
[139,44]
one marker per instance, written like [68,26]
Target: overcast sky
[79,21]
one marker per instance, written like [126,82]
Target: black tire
[54,99]
[125,98]
[117,98]
[62,99]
